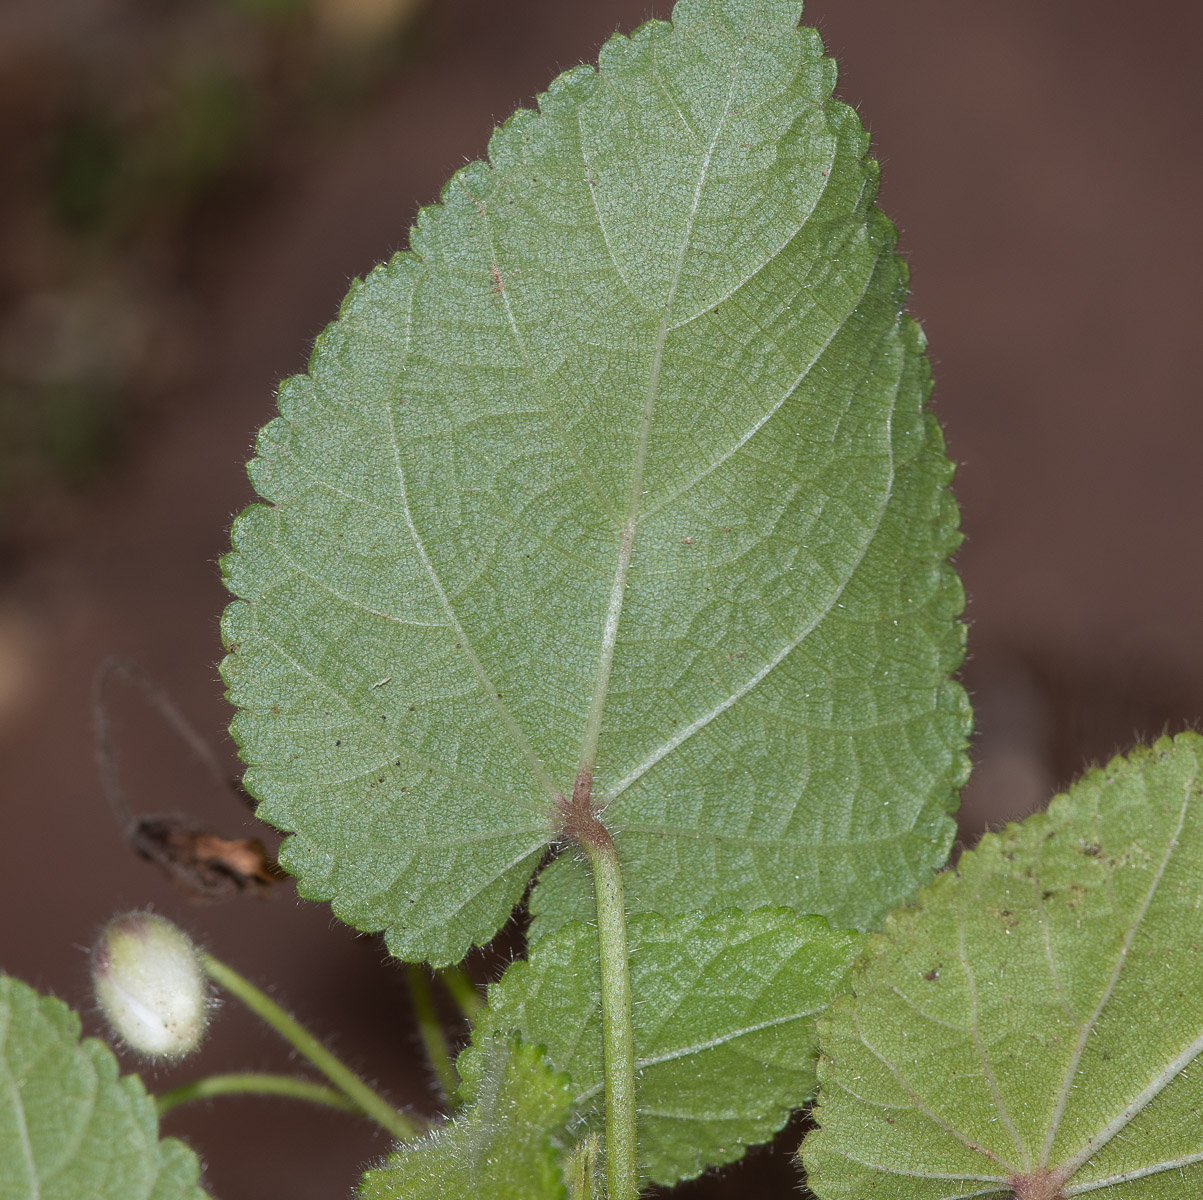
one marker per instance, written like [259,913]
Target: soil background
[1042,163]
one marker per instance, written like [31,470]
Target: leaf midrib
[589,744]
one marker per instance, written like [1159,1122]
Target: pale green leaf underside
[724,1025]
[625,464]
[70,1126]
[504,1145]
[1039,1010]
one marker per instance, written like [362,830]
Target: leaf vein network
[740,284]
[1096,1185]
[975,1032]
[330,590]
[1046,936]
[601,225]
[952,1176]
[768,415]
[430,765]
[669,97]
[427,764]
[516,523]
[1067,1084]
[742,839]
[23,1137]
[932,1116]
[547,407]
[463,900]
[67,1154]
[538,770]
[911,1004]
[701,1047]
[744,689]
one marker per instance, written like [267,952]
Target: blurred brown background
[188,188]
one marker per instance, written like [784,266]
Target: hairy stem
[252,1083]
[433,1039]
[581,1170]
[369,1102]
[463,991]
[618,1039]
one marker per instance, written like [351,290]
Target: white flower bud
[151,986]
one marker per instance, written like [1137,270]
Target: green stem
[433,1038]
[581,1170]
[618,1039]
[251,1083]
[463,991]
[370,1103]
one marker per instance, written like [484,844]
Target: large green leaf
[1032,1024]
[70,1126]
[622,469]
[724,1025]
[504,1145]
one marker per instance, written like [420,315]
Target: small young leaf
[618,485]
[70,1126]
[503,1145]
[1030,1026]
[724,1025]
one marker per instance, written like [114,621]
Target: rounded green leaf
[724,1025]
[619,477]
[1031,1025]
[70,1126]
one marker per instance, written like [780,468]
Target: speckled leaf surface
[624,468]
[504,1145]
[70,1125]
[724,1020]
[1034,1022]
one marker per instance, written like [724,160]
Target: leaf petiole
[253,1083]
[618,1039]
[369,1102]
[434,1040]
[463,991]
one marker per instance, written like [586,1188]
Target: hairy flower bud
[151,986]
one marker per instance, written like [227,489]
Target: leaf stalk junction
[582,824]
